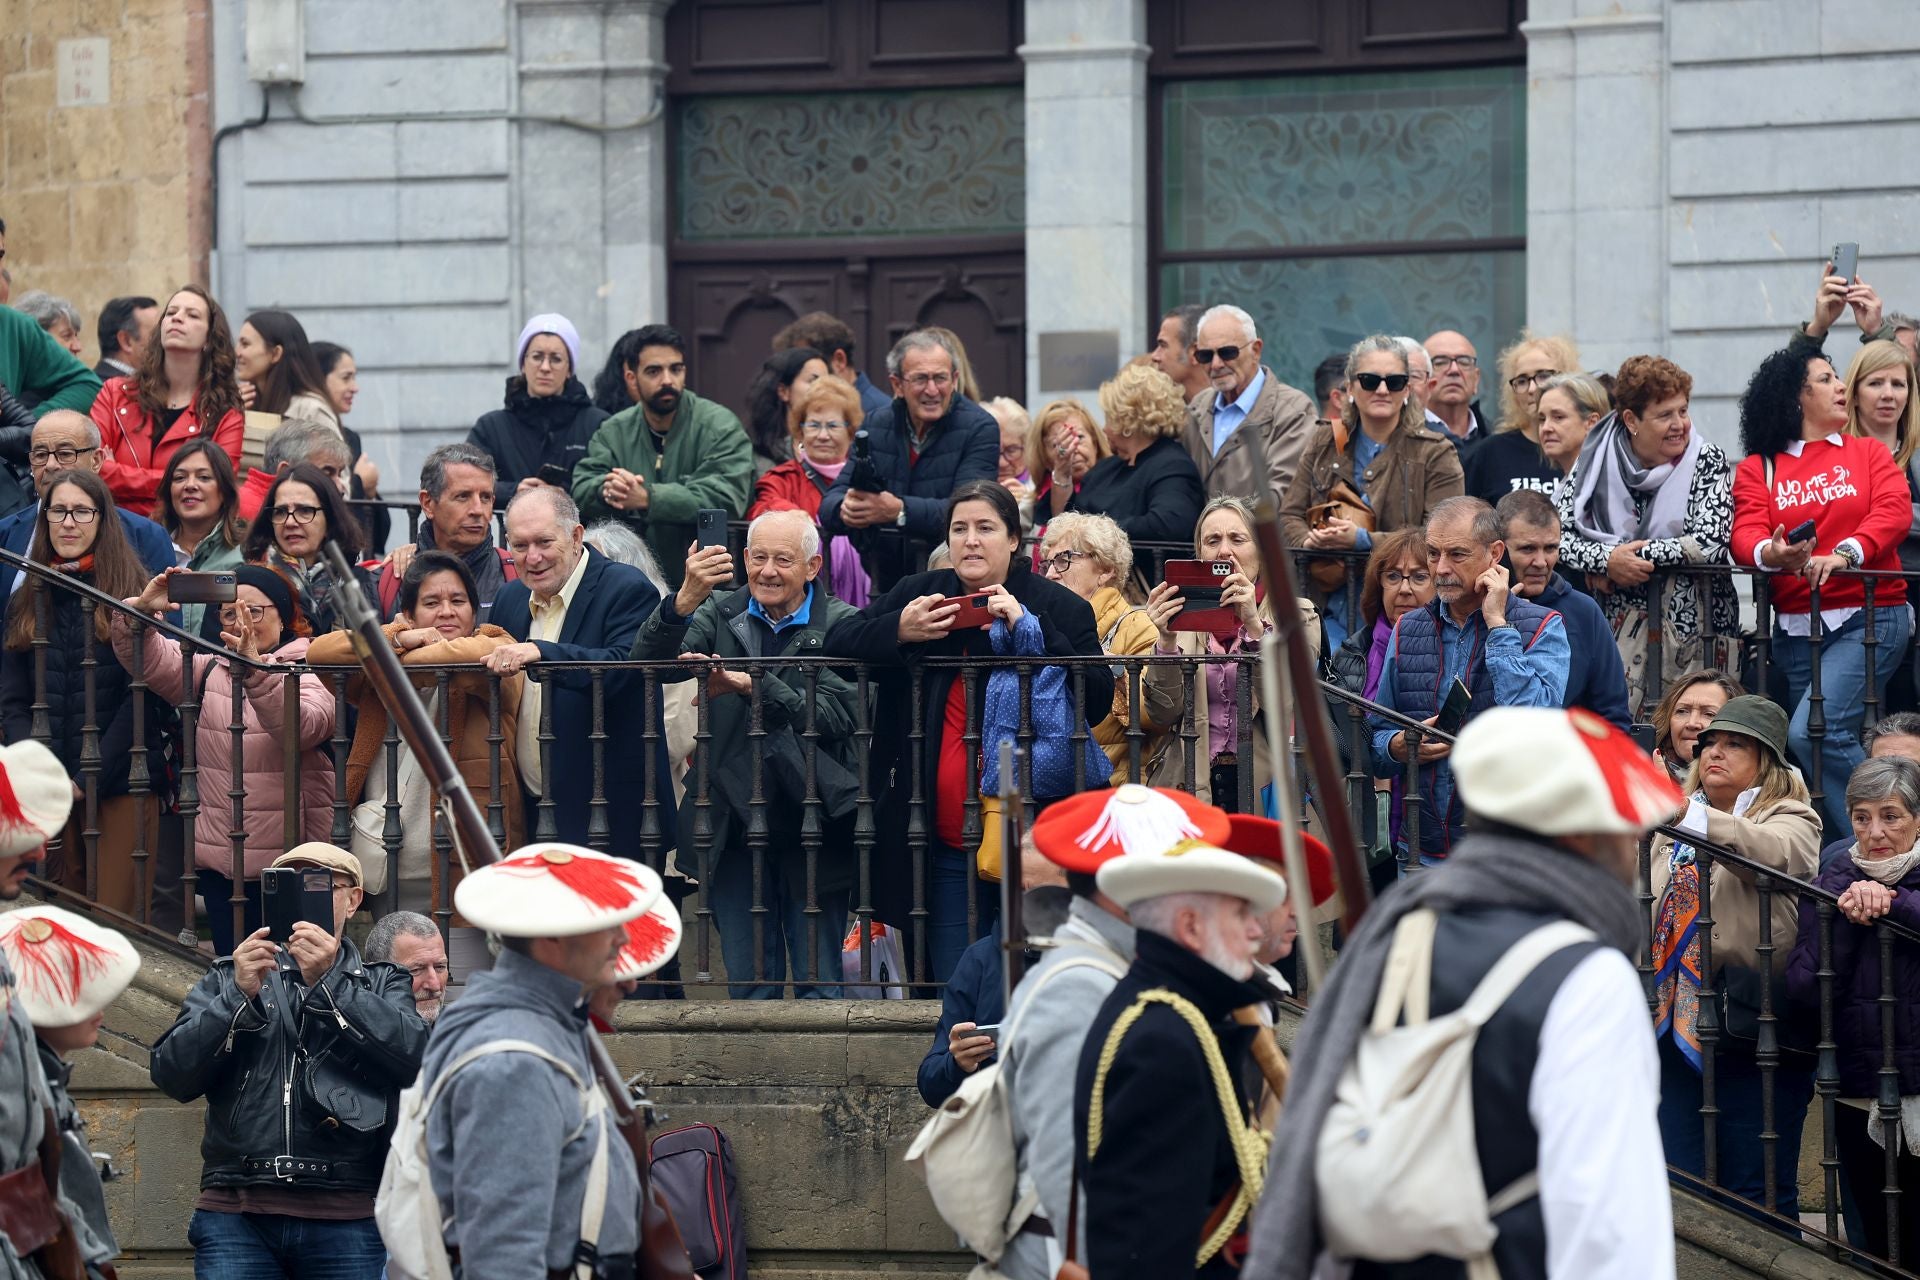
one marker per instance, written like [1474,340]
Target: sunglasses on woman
[1396,382]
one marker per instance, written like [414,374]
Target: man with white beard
[1165,1153]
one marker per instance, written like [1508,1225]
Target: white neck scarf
[1887,871]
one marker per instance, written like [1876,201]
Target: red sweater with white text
[1849,489]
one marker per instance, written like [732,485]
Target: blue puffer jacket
[1052,718]
[1856,982]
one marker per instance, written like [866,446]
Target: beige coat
[1282,418]
[1786,837]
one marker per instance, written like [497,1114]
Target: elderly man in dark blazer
[573,604]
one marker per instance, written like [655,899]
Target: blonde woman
[1881,405]
[1149,485]
[1225,532]
[1525,368]
[1569,406]
[1091,556]
[1062,448]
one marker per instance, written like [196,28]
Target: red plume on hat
[555,890]
[606,883]
[1082,832]
[1555,772]
[652,939]
[66,968]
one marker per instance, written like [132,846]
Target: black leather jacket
[301,1083]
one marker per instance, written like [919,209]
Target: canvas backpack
[965,1150]
[1397,1168]
[407,1210]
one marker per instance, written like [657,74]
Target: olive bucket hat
[1759,718]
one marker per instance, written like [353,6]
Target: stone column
[1086,139]
[590,176]
[1596,175]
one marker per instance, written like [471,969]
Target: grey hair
[1372,344]
[1411,414]
[618,543]
[1901,724]
[1901,320]
[45,309]
[941,557]
[1227,311]
[565,510]
[1411,348]
[1883,777]
[388,929]
[919,340]
[1156,915]
[1486,521]
[301,440]
[55,417]
[1588,393]
[1101,536]
[809,532]
[433,472]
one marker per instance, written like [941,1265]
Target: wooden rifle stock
[662,1255]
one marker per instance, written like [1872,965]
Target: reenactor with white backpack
[1475,1089]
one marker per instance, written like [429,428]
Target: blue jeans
[1843,690]
[272,1246]
[1736,1092]
[949,883]
[784,929]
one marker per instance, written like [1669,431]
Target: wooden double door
[729,311]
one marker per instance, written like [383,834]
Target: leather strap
[29,1218]
[290,1168]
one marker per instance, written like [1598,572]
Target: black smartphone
[711,527]
[558,477]
[1800,532]
[289,895]
[200,588]
[1453,712]
[1846,260]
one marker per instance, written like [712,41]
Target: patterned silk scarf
[1676,955]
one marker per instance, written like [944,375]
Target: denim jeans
[272,1246]
[1843,690]
[951,880]
[1736,1092]
[785,926]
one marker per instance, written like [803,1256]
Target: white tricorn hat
[1559,772]
[554,890]
[36,795]
[653,938]
[65,967]
[1190,867]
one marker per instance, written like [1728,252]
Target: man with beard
[1595,678]
[655,466]
[36,796]
[1165,1152]
[1507,651]
[412,942]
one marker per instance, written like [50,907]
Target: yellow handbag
[991,854]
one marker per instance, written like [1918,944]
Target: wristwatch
[900,521]
[1849,552]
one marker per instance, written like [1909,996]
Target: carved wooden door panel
[730,312]
[982,298]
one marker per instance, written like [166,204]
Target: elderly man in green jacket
[656,465]
[37,368]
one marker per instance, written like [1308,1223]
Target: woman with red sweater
[1800,467]
[821,419]
[183,390]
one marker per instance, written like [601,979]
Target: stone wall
[107,196]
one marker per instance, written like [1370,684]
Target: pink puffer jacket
[262,755]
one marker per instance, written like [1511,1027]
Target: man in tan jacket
[1246,400]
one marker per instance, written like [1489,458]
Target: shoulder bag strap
[1521,959]
[1071,962]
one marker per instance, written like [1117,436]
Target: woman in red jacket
[822,419]
[1801,467]
[183,390]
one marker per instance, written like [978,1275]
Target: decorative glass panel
[1310,308]
[1367,159]
[932,162]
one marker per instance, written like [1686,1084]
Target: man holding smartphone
[301,1050]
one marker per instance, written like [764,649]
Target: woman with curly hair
[1512,458]
[1649,492]
[1802,469]
[1149,486]
[1525,368]
[184,389]
[1062,448]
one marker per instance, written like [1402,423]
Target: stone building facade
[1043,176]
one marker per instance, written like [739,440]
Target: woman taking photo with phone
[263,625]
[1810,504]
[301,513]
[77,534]
[986,603]
[1225,533]
[200,508]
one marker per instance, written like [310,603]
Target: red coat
[130,463]
[788,487]
[1852,489]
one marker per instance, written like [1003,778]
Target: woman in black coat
[78,532]
[1149,487]
[548,417]
[893,635]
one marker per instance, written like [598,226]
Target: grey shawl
[1485,871]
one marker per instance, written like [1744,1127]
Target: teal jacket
[33,364]
[707,463]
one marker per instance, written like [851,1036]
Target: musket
[1013,927]
[662,1255]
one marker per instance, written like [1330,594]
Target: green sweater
[707,462]
[33,364]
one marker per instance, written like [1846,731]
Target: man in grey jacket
[1056,1003]
[511,1143]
